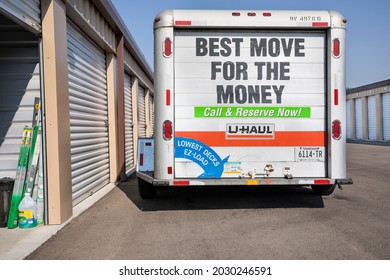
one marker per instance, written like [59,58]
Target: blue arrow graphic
[201,154]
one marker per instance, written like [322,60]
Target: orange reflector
[252,182]
[336,47]
[167,130]
[336,129]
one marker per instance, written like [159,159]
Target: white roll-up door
[129,137]
[141,112]
[193,102]
[88,114]
[151,114]
[359,118]
[371,112]
[349,136]
[386,116]
[27,13]
[19,85]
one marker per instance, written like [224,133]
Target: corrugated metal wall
[88,114]
[19,85]
[93,17]
[134,67]
[129,137]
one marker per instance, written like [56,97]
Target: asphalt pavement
[238,222]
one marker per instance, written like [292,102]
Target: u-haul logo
[244,131]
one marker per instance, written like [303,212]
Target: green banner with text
[251,112]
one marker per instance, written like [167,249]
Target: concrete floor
[16,244]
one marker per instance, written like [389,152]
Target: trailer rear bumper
[148,177]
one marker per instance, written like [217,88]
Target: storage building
[368,112]
[95,89]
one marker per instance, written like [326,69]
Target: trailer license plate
[310,154]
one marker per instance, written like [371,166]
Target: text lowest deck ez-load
[247,98]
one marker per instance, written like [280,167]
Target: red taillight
[167,49]
[321,182]
[336,97]
[183,22]
[169,170]
[167,130]
[168,97]
[266,14]
[181,183]
[336,129]
[251,14]
[336,47]
[320,24]
[157,19]
[236,14]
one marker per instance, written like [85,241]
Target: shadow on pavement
[223,197]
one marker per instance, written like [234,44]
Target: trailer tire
[146,190]
[323,189]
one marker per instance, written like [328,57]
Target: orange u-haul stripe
[282,138]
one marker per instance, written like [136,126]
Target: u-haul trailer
[247,98]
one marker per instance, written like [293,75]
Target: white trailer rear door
[245,100]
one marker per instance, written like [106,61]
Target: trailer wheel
[323,189]
[146,190]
